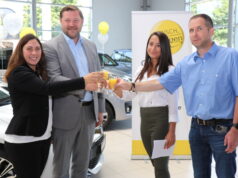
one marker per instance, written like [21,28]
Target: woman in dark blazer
[28,134]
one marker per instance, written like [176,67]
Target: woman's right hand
[91,87]
[93,77]
[93,80]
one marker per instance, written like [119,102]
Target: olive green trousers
[154,126]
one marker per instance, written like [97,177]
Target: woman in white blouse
[158,109]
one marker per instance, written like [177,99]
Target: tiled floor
[118,163]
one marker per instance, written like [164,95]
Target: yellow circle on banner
[103,27]
[27,30]
[173,31]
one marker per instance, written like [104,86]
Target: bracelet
[133,87]
[235,125]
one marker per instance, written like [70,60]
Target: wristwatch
[235,125]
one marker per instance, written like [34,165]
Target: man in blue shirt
[209,78]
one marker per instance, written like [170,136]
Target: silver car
[116,108]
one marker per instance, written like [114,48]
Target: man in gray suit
[69,55]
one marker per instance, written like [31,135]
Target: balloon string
[103,53]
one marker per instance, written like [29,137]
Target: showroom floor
[118,163]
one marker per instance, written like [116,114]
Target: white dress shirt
[155,98]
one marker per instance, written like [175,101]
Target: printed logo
[173,31]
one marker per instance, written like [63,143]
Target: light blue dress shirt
[210,84]
[80,60]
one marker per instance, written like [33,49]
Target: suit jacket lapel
[65,49]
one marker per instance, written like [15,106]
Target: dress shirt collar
[211,52]
[70,40]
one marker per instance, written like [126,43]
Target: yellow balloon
[27,30]
[103,27]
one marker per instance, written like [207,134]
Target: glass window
[51,26]
[20,11]
[218,10]
[235,36]
[45,19]
[4,97]
[123,55]
[46,16]
[106,60]
[5,53]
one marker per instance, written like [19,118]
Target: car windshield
[4,97]
[122,55]
[128,54]
[107,60]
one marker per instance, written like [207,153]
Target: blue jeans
[208,141]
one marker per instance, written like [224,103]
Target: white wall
[118,15]
[167,5]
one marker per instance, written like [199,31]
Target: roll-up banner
[175,25]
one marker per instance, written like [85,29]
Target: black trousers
[154,126]
[28,159]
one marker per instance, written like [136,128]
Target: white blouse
[155,98]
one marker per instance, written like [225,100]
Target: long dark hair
[165,59]
[17,58]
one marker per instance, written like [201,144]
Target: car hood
[5,118]
[119,71]
[6,113]
[125,67]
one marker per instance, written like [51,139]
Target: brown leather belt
[211,122]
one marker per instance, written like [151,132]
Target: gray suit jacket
[61,66]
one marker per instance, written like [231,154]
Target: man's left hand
[100,119]
[231,140]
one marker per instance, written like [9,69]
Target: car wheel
[89,175]
[110,116]
[6,167]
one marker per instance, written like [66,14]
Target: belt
[86,103]
[210,122]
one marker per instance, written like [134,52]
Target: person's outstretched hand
[94,80]
[123,85]
[100,119]
[93,77]
[91,87]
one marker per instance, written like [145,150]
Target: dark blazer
[29,97]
